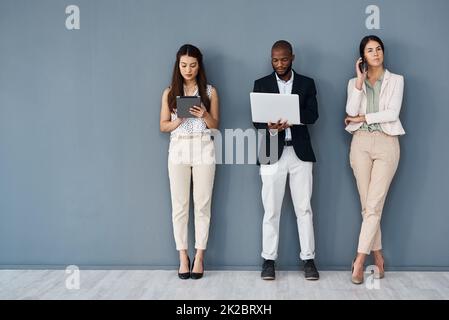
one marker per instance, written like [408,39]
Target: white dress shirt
[285,87]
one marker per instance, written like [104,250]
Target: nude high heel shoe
[354,279]
[381,274]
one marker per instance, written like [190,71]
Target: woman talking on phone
[191,155]
[373,106]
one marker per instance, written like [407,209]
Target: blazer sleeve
[392,109]
[257,125]
[354,99]
[309,111]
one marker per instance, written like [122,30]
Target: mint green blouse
[372,96]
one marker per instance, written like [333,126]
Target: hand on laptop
[279,125]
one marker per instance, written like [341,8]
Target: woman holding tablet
[191,155]
[373,107]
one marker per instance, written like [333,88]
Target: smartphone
[363,66]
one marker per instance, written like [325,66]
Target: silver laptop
[271,107]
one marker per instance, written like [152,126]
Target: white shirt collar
[286,82]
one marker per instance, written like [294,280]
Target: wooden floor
[217,285]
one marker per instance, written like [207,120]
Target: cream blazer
[390,102]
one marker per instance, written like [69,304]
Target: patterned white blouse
[191,125]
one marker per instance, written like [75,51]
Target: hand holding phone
[361,69]
[363,66]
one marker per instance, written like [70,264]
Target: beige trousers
[374,158]
[191,157]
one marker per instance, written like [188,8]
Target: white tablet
[270,107]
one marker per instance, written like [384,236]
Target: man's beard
[289,68]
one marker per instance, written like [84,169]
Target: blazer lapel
[385,81]
[274,83]
[296,87]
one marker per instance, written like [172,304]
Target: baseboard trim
[212,268]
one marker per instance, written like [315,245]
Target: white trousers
[274,178]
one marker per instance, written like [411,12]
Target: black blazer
[305,88]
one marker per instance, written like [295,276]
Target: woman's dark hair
[177,82]
[365,41]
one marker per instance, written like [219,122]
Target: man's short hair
[283,44]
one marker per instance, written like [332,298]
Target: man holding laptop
[294,157]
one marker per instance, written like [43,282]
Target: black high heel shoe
[196,275]
[184,275]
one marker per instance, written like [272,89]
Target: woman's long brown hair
[177,82]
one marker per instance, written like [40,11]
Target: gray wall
[83,175]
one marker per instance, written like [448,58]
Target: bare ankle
[378,255]
[199,255]
[183,255]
